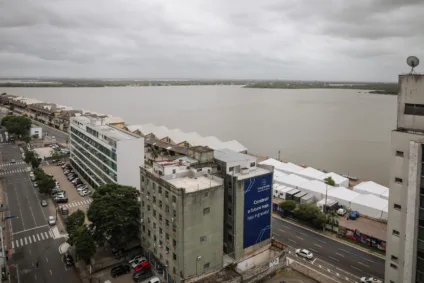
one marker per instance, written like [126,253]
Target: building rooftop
[194,184]
[258,171]
[228,155]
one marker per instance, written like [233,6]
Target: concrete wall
[400,141]
[129,158]
[196,225]
[264,264]
[314,274]
[411,90]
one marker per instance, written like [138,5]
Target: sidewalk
[332,237]
[7,231]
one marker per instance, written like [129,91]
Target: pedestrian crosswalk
[36,237]
[77,203]
[9,163]
[2,173]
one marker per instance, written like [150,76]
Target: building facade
[182,217]
[104,154]
[247,203]
[405,230]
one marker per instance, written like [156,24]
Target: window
[230,237]
[154,213]
[394,266]
[231,169]
[166,222]
[206,195]
[252,164]
[160,190]
[167,209]
[207,265]
[160,231]
[395,233]
[142,178]
[142,203]
[229,227]
[399,153]
[174,171]
[174,199]
[230,212]
[166,236]
[160,217]
[414,109]
[174,243]
[206,210]
[174,256]
[166,194]
[174,270]
[174,213]
[203,239]
[154,200]
[160,204]
[148,208]
[394,258]
[397,206]
[154,225]
[398,180]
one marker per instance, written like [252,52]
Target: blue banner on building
[257,210]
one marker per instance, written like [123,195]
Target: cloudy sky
[356,40]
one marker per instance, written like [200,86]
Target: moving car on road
[370,280]
[52,220]
[43,203]
[304,253]
[120,270]
[68,260]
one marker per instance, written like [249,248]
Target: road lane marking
[292,241]
[17,243]
[333,258]
[22,242]
[35,240]
[337,274]
[356,268]
[13,244]
[47,259]
[318,245]
[299,238]
[362,264]
[30,229]
[329,270]
[25,240]
[38,237]
[47,235]
[33,217]
[29,239]
[339,254]
[314,260]
[51,272]
[42,236]
[313,250]
[51,234]
[281,230]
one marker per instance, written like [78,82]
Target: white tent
[342,195]
[385,195]
[272,162]
[316,188]
[278,174]
[282,190]
[338,179]
[371,206]
[289,168]
[310,173]
[292,181]
[371,187]
[330,202]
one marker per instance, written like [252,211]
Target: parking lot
[75,201]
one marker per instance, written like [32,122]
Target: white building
[105,154]
[373,188]
[36,131]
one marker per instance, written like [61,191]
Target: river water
[345,131]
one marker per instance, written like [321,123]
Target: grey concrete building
[405,231]
[182,210]
[247,203]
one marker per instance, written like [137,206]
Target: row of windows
[99,172]
[96,153]
[109,153]
[85,171]
[414,109]
[107,171]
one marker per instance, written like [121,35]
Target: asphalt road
[329,254]
[60,136]
[32,239]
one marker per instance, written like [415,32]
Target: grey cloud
[268,39]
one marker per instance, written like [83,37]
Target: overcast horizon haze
[355,41]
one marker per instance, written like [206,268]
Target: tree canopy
[115,215]
[80,236]
[45,182]
[75,221]
[18,125]
[310,213]
[57,154]
[288,205]
[32,158]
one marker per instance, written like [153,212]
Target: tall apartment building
[405,231]
[103,154]
[182,207]
[247,203]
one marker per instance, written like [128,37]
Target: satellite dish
[412,61]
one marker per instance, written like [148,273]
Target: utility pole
[279,155]
[325,205]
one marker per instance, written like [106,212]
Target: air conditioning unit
[172,219]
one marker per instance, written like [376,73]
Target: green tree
[57,154]
[329,181]
[288,205]
[46,184]
[84,243]
[311,214]
[115,215]
[32,158]
[75,221]
[331,218]
[18,125]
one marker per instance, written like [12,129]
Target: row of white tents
[368,198]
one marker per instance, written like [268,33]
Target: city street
[330,254]
[31,239]
[60,136]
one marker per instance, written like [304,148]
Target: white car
[154,280]
[84,193]
[341,211]
[52,220]
[304,253]
[370,280]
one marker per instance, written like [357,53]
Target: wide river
[345,131]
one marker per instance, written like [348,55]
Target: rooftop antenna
[412,61]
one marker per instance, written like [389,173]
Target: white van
[154,280]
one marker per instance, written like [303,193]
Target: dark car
[120,270]
[143,275]
[68,260]
[61,200]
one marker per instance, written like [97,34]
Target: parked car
[304,253]
[154,280]
[370,280]
[52,220]
[35,184]
[145,265]
[68,260]
[137,261]
[80,185]
[82,188]
[13,161]
[341,211]
[44,203]
[141,276]
[84,193]
[61,200]
[120,270]
[64,210]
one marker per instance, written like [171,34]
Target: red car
[142,266]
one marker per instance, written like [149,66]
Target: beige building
[405,232]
